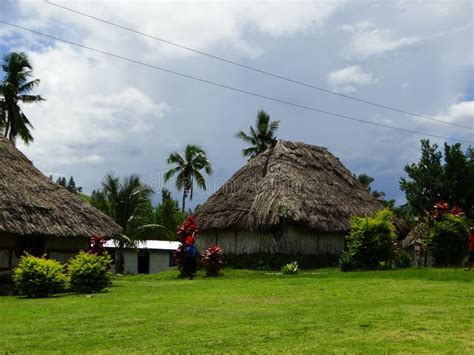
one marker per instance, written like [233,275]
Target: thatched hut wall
[290,240]
[12,248]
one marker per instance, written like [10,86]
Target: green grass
[426,310]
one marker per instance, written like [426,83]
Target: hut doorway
[32,245]
[143,260]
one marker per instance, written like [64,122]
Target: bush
[39,277]
[89,272]
[291,268]
[448,240]
[212,260]
[346,262]
[403,261]
[371,240]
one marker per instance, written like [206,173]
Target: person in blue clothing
[190,255]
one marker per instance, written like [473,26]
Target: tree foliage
[371,239]
[261,137]
[15,89]
[167,213]
[69,184]
[448,177]
[188,170]
[366,180]
[448,240]
[125,202]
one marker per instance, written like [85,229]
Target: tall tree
[261,137]
[123,201]
[188,169]
[168,214]
[16,88]
[433,178]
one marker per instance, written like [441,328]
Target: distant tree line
[69,184]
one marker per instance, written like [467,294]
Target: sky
[103,114]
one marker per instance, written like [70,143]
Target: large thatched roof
[31,204]
[305,182]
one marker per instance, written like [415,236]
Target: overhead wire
[231,88]
[254,69]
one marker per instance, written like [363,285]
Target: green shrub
[403,261]
[291,268]
[39,277]
[346,262]
[448,240]
[371,240]
[89,272]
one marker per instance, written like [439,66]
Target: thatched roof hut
[32,204]
[304,184]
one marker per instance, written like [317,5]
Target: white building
[148,257]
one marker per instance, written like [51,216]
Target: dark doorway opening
[143,262]
[32,245]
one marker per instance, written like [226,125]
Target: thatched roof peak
[294,181]
[32,204]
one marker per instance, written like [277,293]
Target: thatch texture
[32,204]
[305,183]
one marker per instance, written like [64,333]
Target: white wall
[159,261]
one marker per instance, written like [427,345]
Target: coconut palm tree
[123,202]
[366,180]
[188,170]
[261,137]
[15,88]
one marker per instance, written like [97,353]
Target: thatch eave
[32,204]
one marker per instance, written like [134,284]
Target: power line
[242,91]
[260,71]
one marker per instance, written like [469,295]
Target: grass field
[427,310]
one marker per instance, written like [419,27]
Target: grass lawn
[426,310]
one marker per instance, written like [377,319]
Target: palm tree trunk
[119,260]
[184,201]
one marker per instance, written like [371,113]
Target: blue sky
[103,114]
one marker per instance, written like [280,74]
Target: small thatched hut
[39,216]
[294,199]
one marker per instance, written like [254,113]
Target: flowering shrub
[39,277]
[89,272]
[442,208]
[97,244]
[189,228]
[212,260]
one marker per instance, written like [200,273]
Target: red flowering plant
[212,260]
[189,229]
[97,244]
[442,208]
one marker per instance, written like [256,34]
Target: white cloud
[460,113]
[368,41]
[102,114]
[194,24]
[346,79]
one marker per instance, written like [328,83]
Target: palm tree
[366,180]
[123,202]
[262,137]
[189,169]
[15,88]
